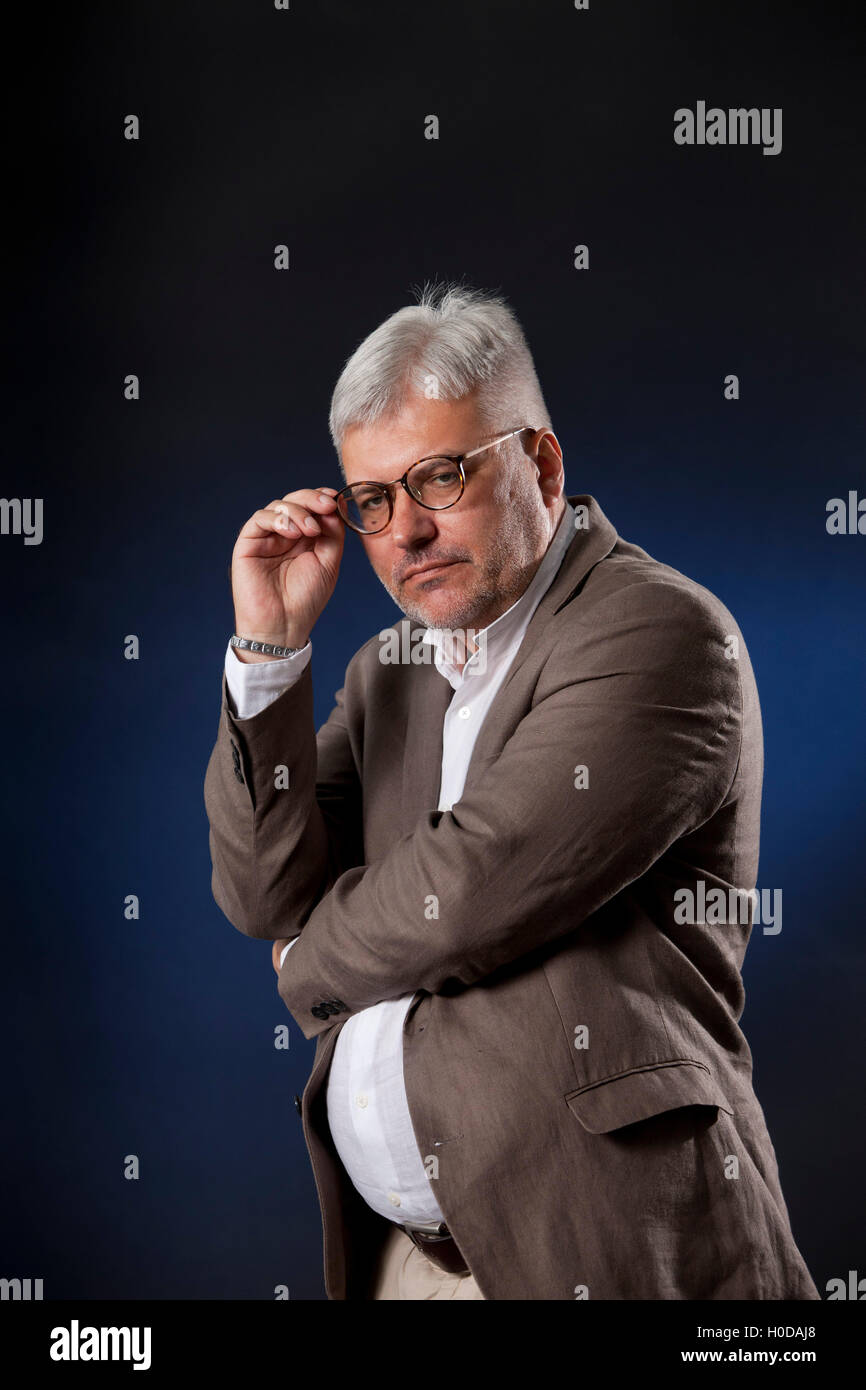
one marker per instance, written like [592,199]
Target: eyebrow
[434,453]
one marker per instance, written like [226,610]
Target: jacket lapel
[430,694]
[587,547]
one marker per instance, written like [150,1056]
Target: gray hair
[454,341]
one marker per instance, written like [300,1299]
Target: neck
[459,658]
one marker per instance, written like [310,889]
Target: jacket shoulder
[654,630]
[630,583]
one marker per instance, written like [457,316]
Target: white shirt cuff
[285,951]
[253,685]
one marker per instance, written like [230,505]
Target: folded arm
[647,701]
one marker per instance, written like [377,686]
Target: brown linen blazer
[579,1086]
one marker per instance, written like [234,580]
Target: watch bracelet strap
[249,644]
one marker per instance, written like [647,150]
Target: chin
[447,615]
[440,606]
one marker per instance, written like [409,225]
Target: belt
[438,1244]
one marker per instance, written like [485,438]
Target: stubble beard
[503,573]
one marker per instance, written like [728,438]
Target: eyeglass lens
[435,483]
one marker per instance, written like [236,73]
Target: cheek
[461,534]
[381,560]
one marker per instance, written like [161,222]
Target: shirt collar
[506,631]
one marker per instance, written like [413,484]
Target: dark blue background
[156,1037]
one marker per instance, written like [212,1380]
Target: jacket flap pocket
[635,1095]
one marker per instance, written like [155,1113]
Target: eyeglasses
[436,482]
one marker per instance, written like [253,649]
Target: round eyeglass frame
[388,488]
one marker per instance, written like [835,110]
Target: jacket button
[318,1012]
[298,1104]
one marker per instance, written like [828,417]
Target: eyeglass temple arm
[492,442]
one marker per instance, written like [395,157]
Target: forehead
[382,451]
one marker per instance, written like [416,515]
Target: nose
[411,524]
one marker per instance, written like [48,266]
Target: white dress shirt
[368,1112]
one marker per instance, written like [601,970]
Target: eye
[370,501]
[445,476]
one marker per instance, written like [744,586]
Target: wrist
[250,658]
[281,645]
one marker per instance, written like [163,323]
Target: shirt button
[464,712]
[394,1199]
[361,1101]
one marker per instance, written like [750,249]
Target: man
[529,1079]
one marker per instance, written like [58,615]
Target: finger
[277,949]
[328,521]
[303,520]
[267,521]
[319,499]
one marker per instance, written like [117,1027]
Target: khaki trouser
[404,1271]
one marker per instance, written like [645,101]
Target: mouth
[431,571]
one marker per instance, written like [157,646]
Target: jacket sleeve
[646,698]
[284,806]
